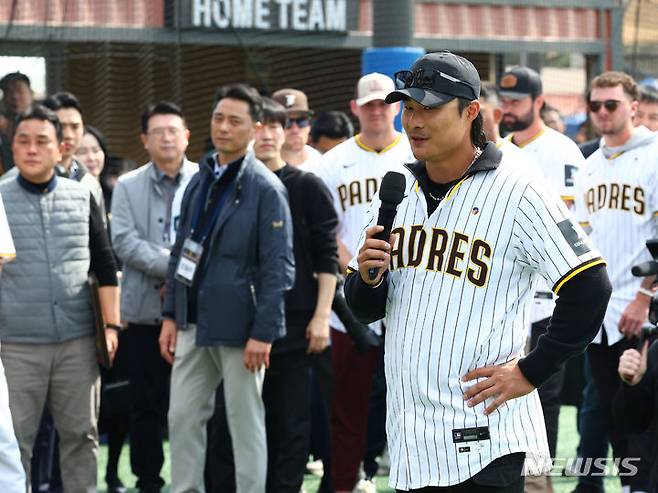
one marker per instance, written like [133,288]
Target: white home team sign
[296,15]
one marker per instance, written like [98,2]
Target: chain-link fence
[118,56]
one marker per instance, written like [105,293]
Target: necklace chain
[478,152]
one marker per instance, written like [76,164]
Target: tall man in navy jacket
[224,303]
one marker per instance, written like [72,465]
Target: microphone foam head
[392,188]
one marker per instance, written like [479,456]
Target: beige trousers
[65,377]
[195,376]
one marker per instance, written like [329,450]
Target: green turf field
[567,442]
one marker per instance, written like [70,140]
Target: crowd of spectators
[217,280]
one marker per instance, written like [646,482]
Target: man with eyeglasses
[616,197]
[353,171]
[296,151]
[141,215]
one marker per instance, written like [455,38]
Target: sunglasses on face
[301,122]
[434,80]
[610,105]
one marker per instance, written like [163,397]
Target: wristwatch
[646,292]
[116,327]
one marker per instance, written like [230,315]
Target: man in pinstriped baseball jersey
[557,158]
[471,238]
[617,197]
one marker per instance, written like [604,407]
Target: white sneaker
[315,467]
[365,486]
[384,462]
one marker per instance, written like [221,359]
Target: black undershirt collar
[38,188]
[435,193]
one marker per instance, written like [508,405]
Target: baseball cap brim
[513,94]
[421,96]
[292,112]
[371,97]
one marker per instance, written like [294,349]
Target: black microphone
[391,193]
[645,269]
[363,337]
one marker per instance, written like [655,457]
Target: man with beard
[492,115]
[557,155]
[558,158]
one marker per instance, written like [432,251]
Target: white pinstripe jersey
[618,199]
[459,295]
[558,158]
[506,145]
[353,172]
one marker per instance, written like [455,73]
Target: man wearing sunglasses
[295,150]
[616,196]
[472,235]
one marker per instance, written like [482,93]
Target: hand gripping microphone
[645,269]
[391,193]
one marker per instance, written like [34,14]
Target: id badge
[188,261]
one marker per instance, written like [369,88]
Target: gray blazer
[138,221]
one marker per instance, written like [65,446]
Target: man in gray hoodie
[616,198]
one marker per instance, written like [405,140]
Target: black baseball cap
[519,83]
[436,79]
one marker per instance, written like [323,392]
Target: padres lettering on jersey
[353,173]
[445,252]
[360,191]
[617,196]
[459,294]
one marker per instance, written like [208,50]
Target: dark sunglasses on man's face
[610,105]
[434,80]
[302,122]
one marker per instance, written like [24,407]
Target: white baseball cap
[373,86]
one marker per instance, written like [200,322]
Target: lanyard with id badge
[192,250]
